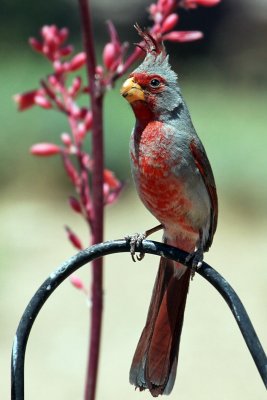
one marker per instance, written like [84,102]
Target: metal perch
[122,246]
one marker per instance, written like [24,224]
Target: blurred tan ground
[214,361]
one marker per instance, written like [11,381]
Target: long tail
[155,360]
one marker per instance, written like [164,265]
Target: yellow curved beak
[132,91]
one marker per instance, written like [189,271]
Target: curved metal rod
[120,246]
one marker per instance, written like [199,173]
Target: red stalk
[97,184]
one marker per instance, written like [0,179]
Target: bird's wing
[204,167]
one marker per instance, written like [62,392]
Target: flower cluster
[165,20]
[55,93]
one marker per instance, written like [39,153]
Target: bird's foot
[136,240]
[196,258]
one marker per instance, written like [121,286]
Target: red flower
[77,62]
[169,23]
[111,180]
[161,10]
[73,238]
[110,56]
[42,101]
[112,187]
[66,139]
[70,170]
[88,120]
[32,98]
[196,3]
[75,204]
[77,282]
[183,36]
[45,149]
[26,100]
[75,86]
[51,45]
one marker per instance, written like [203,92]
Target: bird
[174,180]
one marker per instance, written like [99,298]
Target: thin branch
[119,246]
[98,203]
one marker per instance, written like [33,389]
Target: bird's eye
[154,82]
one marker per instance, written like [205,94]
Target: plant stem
[98,205]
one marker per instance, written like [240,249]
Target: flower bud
[45,149]
[109,56]
[183,36]
[165,7]
[74,110]
[75,204]
[153,8]
[53,80]
[77,282]
[110,179]
[112,197]
[80,132]
[66,139]
[169,23]
[36,45]
[70,169]
[25,100]
[66,51]
[87,162]
[83,112]
[41,101]
[63,34]
[77,62]
[208,3]
[59,67]
[99,70]
[106,190]
[76,86]
[73,238]
[204,3]
[88,121]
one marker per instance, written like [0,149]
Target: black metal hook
[120,246]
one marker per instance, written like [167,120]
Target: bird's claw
[136,240]
[196,259]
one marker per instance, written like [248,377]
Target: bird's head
[152,89]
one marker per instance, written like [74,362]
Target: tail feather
[137,370]
[155,360]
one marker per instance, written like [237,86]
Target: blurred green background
[224,80]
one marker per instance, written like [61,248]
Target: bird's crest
[156,60]
[150,45]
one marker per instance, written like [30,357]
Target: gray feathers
[158,65]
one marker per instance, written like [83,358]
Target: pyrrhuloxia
[174,180]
